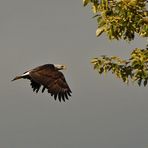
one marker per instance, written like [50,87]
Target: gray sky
[102,113]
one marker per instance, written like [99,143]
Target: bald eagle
[50,78]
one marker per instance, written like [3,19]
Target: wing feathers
[43,89]
[35,86]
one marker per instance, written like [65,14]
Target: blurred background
[102,112]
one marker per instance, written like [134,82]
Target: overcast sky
[102,112]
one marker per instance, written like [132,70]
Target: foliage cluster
[122,19]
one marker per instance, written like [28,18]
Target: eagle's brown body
[50,78]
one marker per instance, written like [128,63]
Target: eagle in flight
[50,78]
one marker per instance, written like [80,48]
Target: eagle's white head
[60,66]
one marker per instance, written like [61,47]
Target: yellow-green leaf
[85,2]
[100,30]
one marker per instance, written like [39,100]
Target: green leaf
[95,16]
[100,30]
[101,70]
[85,2]
[145,82]
[139,82]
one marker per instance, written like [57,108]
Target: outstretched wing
[51,79]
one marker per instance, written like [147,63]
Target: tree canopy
[122,19]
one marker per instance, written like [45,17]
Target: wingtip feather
[16,78]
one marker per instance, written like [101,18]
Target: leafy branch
[135,68]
